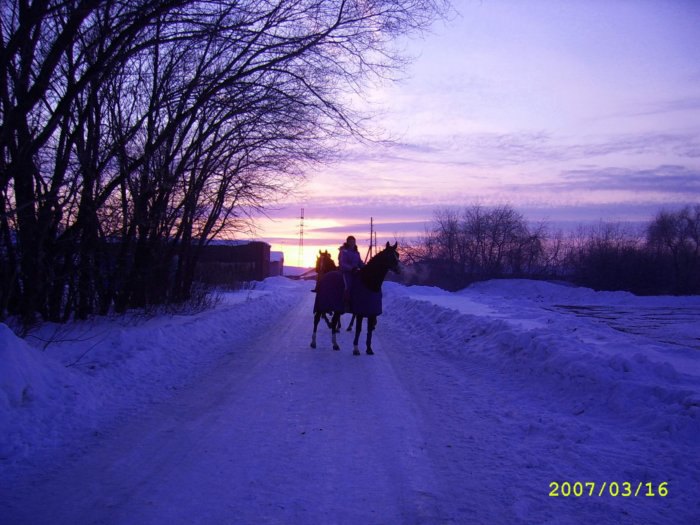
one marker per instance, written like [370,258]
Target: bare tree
[134,132]
[485,243]
[480,243]
[38,43]
[674,239]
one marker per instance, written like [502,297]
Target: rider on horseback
[350,262]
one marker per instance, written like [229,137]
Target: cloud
[587,185]
[687,104]
[493,150]
[522,148]
[677,180]
[387,214]
[681,144]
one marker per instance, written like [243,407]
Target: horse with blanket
[324,264]
[365,297]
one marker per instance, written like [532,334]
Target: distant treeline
[133,132]
[477,243]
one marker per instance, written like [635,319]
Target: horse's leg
[352,320]
[358,329]
[371,325]
[324,315]
[334,329]
[317,318]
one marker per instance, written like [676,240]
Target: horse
[365,300]
[324,264]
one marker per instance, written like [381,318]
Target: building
[229,263]
[276,263]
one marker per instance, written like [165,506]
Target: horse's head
[324,262]
[389,257]
[375,271]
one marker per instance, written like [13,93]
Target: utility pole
[372,239]
[301,239]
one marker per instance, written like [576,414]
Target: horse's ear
[319,252]
[387,245]
[395,244]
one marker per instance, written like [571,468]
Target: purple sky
[570,111]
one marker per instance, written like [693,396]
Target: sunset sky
[570,111]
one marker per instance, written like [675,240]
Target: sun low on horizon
[319,235]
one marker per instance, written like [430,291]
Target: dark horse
[324,264]
[365,300]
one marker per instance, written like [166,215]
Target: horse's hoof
[336,347]
[313,345]
[356,352]
[370,351]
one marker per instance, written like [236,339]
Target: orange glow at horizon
[283,236]
[310,253]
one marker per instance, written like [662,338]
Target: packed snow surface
[478,407]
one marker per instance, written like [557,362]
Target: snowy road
[279,433]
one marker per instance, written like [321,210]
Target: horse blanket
[329,296]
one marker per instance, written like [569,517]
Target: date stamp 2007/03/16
[623,489]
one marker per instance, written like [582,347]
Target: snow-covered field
[474,406]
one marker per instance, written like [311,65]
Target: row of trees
[477,243]
[480,243]
[133,132]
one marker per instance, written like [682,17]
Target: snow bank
[36,395]
[277,284]
[564,293]
[95,372]
[26,375]
[593,368]
[545,291]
